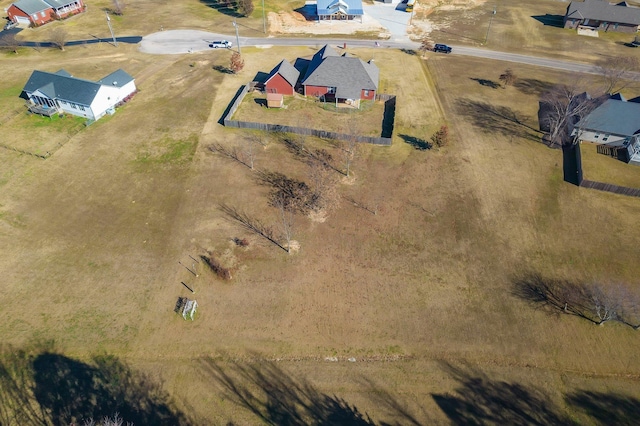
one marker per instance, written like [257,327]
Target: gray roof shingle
[602,10]
[287,71]
[349,75]
[31,7]
[613,116]
[61,85]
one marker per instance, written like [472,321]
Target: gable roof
[324,52]
[61,85]
[31,7]
[117,78]
[602,10]
[349,75]
[613,116]
[348,7]
[287,71]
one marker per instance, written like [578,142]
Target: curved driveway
[186,41]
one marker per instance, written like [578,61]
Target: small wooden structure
[275,100]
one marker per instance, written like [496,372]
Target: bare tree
[9,42]
[322,182]
[118,7]
[251,224]
[237,63]
[59,38]
[508,78]
[245,7]
[618,72]
[287,212]
[349,151]
[441,137]
[426,45]
[562,107]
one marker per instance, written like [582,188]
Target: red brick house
[340,78]
[40,12]
[282,79]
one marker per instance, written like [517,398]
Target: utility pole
[115,42]
[264,22]
[486,37]
[237,37]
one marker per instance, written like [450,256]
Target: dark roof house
[340,76]
[61,92]
[602,15]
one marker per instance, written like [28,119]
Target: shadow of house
[308,11]
[550,20]
[276,397]
[480,400]
[226,7]
[71,391]
[486,83]
[260,78]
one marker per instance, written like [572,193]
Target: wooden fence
[385,139]
[608,187]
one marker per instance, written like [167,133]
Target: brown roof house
[602,15]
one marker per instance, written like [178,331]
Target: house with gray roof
[602,15]
[339,9]
[614,124]
[39,12]
[60,92]
[282,79]
[340,78]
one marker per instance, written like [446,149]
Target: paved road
[185,41]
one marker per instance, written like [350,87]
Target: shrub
[216,267]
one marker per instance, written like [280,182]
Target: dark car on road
[442,48]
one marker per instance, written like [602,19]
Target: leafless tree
[508,78]
[441,137]
[237,63]
[9,42]
[59,38]
[245,7]
[287,213]
[618,72]
[244,154]
[349,151]
[426,45]
[116,420]
[563,106]
[118,7]
[251,223]
[322,182]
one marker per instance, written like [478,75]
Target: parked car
[442,48]
[9,25]
[222,43]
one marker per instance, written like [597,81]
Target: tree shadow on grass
[497,119]
[486,83]
[71,391]
[41,387]
[607,409]
[225,7]
[532,86]
[417,143]
[275,397]
[480,400]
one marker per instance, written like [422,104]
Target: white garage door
[22,20]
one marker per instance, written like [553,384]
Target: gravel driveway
[179,41]
[393,19]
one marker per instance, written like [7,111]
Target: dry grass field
[603,168]
[96,240]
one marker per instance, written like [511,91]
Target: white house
[61,92]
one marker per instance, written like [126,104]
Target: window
[81,107]
[42,13]
[366,93]
[331,90]
[74,106]
[606,137]
[596,136]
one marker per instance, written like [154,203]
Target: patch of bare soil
[422,25]
[296,23]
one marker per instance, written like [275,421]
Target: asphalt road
[186,41]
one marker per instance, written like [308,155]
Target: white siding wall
[590,136]
[108,96]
